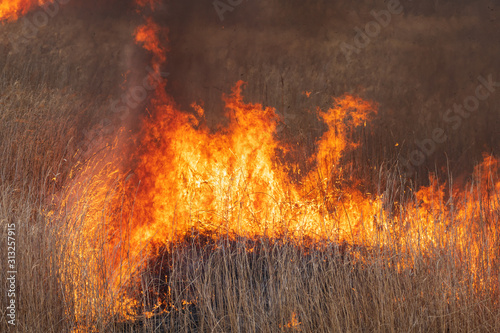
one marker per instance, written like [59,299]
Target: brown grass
[221,285]
[211,285]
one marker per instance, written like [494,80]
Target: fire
[293,323]
[186,178]
[230,183]
[148,36]
[177,177]
[12,9]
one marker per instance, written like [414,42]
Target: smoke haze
[424,61]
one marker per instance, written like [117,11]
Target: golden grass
[205,284]
[219,285]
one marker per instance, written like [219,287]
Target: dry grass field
[425,259]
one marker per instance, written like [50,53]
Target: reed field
[258,186]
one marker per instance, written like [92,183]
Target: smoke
[424,61]
[417,67]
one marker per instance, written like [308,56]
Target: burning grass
[12,9]
[430,263]
[225,281]
[184,228]
[274,285]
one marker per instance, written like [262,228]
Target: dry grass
[230,289]
[221,285]
[205,284]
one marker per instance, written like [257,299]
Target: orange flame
[148,36]
[12,9]
[230,183]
